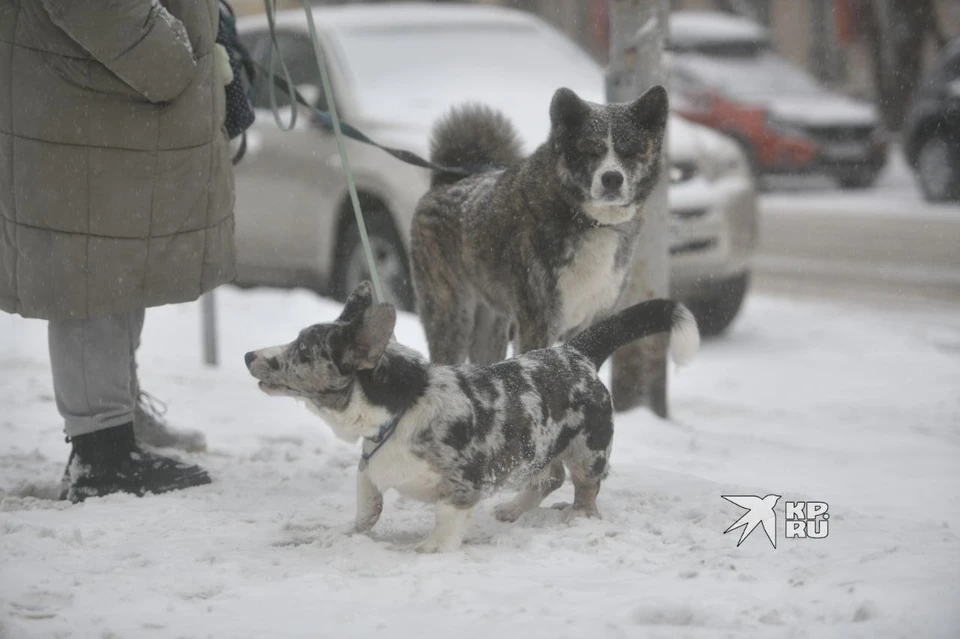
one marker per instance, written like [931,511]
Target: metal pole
[638,30]
[208,309]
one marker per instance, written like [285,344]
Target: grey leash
[331,119]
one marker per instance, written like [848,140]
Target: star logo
[760,512]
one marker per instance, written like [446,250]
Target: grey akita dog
[536,251]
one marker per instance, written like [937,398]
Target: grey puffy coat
[116,189]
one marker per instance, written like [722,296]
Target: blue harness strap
[386,432]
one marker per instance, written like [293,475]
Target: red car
[725,74]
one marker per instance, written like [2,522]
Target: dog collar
[386,431]
[584,220]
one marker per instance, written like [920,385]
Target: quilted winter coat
[116,188]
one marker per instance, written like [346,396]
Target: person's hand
[223,63]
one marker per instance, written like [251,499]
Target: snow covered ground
[884,244]
[832,402]
[895,195]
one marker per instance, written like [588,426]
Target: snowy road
[881,244]
[814,400]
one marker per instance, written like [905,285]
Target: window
[297,51]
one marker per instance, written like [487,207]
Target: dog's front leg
[369,503]
[533,337]
[447,535]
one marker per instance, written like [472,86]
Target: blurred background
[814,144]
[846,44]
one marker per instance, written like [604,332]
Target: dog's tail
[647,318]
[473,136]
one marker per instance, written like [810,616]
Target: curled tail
[647,318]
[473,136]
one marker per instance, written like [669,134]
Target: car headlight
[683,171]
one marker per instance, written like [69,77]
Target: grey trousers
[94,370]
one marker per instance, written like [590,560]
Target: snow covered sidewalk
[806,400]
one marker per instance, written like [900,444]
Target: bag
[240,114]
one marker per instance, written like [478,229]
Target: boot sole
[76,494]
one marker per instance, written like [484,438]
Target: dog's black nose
[249,357]
[612,180]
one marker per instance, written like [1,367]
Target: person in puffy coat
[116,195]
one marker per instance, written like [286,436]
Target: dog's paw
[508,512]
[571,512]
[368,514]
[365,524]
[432,545]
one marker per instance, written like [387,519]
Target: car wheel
[858,178]
[938,170]
[389,257]
[716,309]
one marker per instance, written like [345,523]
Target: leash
[331,120]
[269,7]
[386,432]
[409,157]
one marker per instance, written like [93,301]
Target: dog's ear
[567,109]
[359,301]
[371,338]
[650,110]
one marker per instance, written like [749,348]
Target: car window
[297,51]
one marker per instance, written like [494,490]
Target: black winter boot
[109,461]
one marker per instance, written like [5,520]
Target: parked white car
[395,69]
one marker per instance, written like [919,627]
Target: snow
[895,195]
[808,400]
[385,17]
[702,28]
[822,109]
[769,81]
[395,92]
[383,53]
[179,31]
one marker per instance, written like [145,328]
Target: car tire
[938,170]
[858,178]
[716,309]
[390,257]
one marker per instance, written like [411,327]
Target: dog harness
[386,432]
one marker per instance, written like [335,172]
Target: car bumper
[831,157]
[714,233]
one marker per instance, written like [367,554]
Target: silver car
[395,69]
